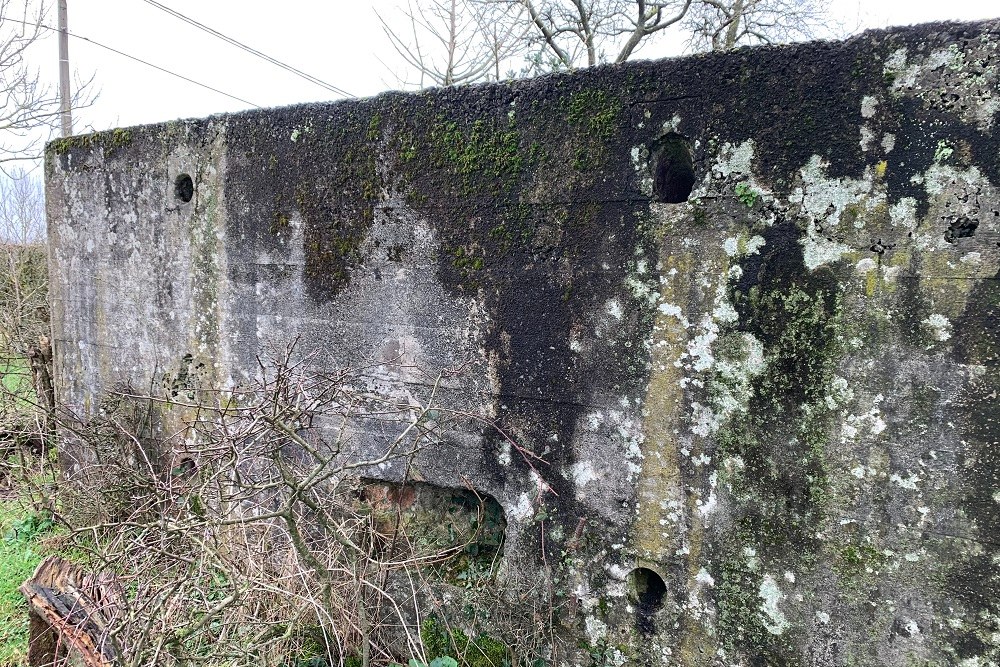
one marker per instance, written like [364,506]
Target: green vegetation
[856,558]
[15,376]
[943,151]
[783,493]
[21,549]
[747,195]
[374,126]
[594,115]
[479,151]
[109,140]
[595,111]
[443,661]
[480,651]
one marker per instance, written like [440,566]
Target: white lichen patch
[704,578]
[523,510]
[734,159]
[596,629]
[704,421]
[867,138]
[896,62]
[754,244]
[903,213]
[869,423]
[735,371]
[910,481]
[672,125]
[583,473]
[503,458]
[838,393]
[632,440]
[973,258]
[673,310]
[594,420]
[868,105]
[743,245]
[752,559]
[938,326]
[614,308]
[640,162]
[297,132]
[941,177]
[950,80]
[699,348]
[824,202]
[641,289]
[771,596]
[725,313]
[616,571]
[977,661]
[730,246]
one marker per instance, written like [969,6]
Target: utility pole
[64,93]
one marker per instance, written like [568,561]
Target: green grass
[20,553]
[16,384]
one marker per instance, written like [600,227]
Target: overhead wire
[249,49]
[138,60]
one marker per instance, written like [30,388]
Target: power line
[249,49]
[165,70]
[138,60]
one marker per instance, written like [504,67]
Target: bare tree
[462,41]
[451,42]
[719,25]
[575,33]
[30,105]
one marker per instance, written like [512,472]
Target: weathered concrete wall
[780,394]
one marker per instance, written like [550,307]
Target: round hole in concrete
[184,188]
[672,167]
[186,467]
[648,589]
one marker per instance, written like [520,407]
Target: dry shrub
[247,538]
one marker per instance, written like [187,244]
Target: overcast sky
[339,41]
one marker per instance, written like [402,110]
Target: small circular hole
[184,188]
[672,169]
[185,468]
[648,590]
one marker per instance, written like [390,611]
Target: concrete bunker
[731,390]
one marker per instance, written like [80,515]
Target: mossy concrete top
[766,410]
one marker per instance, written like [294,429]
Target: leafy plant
[441,661]
[27,528]
[747,195]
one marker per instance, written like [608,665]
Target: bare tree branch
[565,34]
[454,42]
[725,24]
[29,107]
